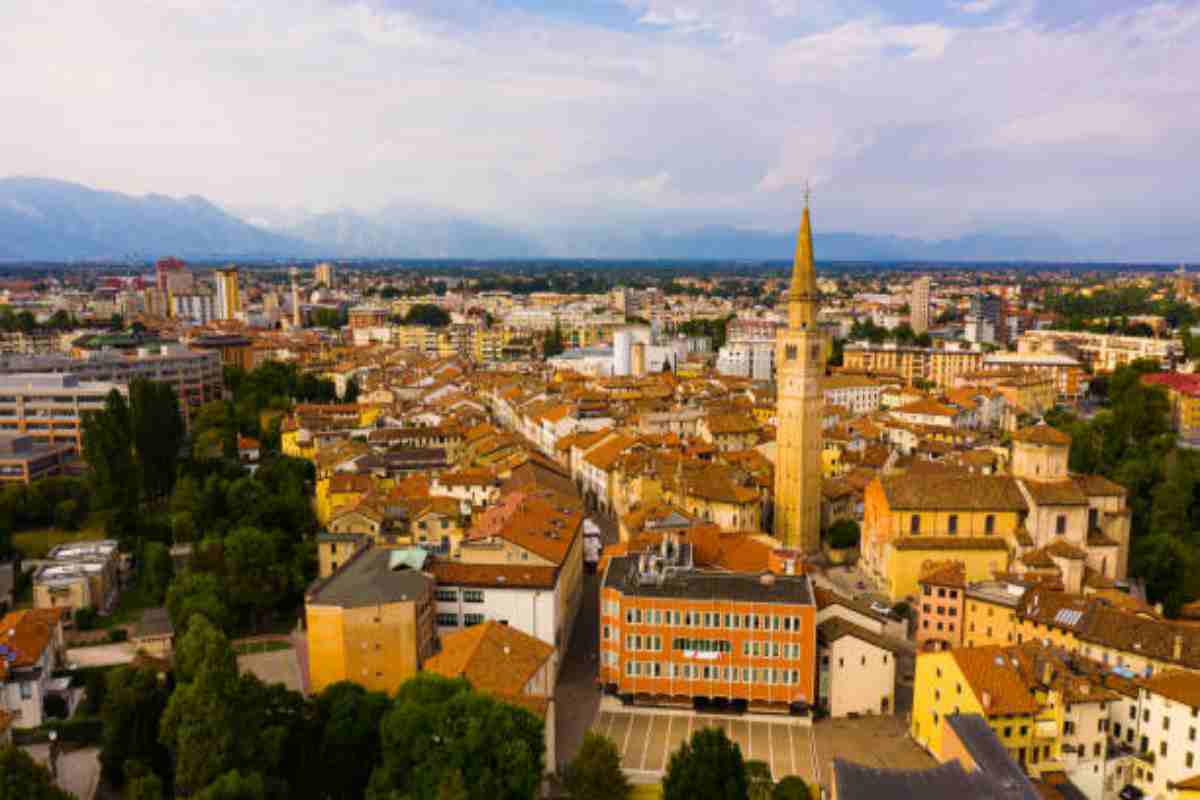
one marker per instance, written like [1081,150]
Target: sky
[926,119]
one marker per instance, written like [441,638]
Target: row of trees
[1131,442]
[1115,306]
[876,334]
[715,329]
[133,446]
[208,732]
[25,322]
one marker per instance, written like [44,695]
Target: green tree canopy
[427,314]
[595,773]
[436,724]
[707,767]
[134,702]
[22,778]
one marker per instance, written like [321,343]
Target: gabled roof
[494,658]
[967,492]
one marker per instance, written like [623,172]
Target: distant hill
[411,233]
[59,221]
[51,220]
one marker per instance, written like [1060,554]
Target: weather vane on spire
[807,192]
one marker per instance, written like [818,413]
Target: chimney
[986,697]
[1177,650]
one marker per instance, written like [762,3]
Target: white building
[859,394]
[856,670]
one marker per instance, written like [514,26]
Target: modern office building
[673,633]
[919,305]
[229,300]
[196,376]
[43,412]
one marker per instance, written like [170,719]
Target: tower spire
[802,295]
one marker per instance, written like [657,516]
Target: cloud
[689,111]
[976,6]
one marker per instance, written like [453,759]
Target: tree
[595,774]
[144,787]
[134,702]
[427,314]
[707,767]
[195,593]
[158,433]
[349,718]
[790,788]
[107,438]
[255,574]
[235,785]
[204,651]
[843,533]
[199,726]
[157,569]
[451,786]
[22,778]
[436,724]
[758,779]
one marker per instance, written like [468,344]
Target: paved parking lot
[871,741]
[647,738]
[277,666]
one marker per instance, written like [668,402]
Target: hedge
[70,731]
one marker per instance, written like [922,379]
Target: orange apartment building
[674,634]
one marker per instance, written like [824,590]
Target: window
[472,619]
[1060,524]
[474,596]
[989,524]
[1162,749]
[926,590]
[447,620]
[447,595]
[915,524]
[952,525]
[789,352]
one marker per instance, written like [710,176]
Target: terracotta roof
[1179,685]
[1042,434]
[927,408]
[944,573]
[953,492]
[494,658]
[457,573]
[722,424]
[993,670]
[25,635]
[544,523]
[836,628]
[1098,486]
[603,456]
[1056,493]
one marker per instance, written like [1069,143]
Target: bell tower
[799,366]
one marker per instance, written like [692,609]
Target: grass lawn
[37,543]
[246,648]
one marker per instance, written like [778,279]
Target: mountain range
[50,220]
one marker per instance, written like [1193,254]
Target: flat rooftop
[697,584]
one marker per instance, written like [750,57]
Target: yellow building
[229,299]
[372,621]
[989,613]
[339,493]
[909,519]
[1044,710]
[800,364]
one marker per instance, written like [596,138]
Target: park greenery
[204,731]
[902,334]
[426,314]
[1109,310]
[1131,443]
[715,329]
[22,778]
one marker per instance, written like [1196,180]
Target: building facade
[673,633]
